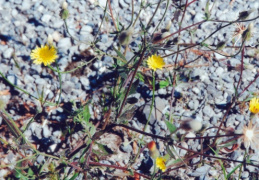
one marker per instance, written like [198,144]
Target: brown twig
[110,8]
[132,79]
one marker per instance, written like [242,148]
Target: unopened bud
[64,5]
[168,25]
[50,39]
[244,14]
[247,34]
[165,34]
[126,36]
[153,151]
[64,13]
[194,125]
[221,45]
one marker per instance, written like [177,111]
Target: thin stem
[137,17]
[98,31]
[18,87]
[167,5]
[114,22]
[60,83]
[150,20]
[132,79]
[153,100]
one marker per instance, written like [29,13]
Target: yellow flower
[251,136]
[155,62]
[254,105]
[160,163]
[44,54]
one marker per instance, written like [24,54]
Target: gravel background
[202,93]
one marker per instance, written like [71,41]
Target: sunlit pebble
[190,135]
[102,69]
[3,172]
[52,148]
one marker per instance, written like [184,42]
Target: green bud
[64,13]
[126,36]
[247,34]
[168,25]
[221,45]
[244,14]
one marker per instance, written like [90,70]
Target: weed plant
[114,110]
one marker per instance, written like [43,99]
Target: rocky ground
[203,91]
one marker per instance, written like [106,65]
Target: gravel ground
[202,93]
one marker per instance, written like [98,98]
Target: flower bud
[221,45]
[165,34]
[153,151]
[64,5]
[50,39]
[64,13]
[244,14]
[168,25]
[190,124]
[247,34]
[126,36]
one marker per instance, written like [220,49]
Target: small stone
[85,82]
[208,111]
[157,130]
[104,38]
[162,92]
[64,43]
[46,131]
[40,159]
[86,30]
[245,174]
[126,148]
[8,53]
[196,90]
[12,79]
[123,4]
[97,65]
[52,148]
[46,18]
[40,81]
[68,87]
[26,4]
[219,71]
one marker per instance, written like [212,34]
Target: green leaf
[106,151]
[163,84]
[86,114]
[171,127]
[233,170]
[140,77]
[221,163]
[121,56]
[204,44]
[134,87]
[207,11]
[30,172]
[74,176]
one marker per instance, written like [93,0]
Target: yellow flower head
[155,62]
[44,54]
[254,105]
[160,163]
